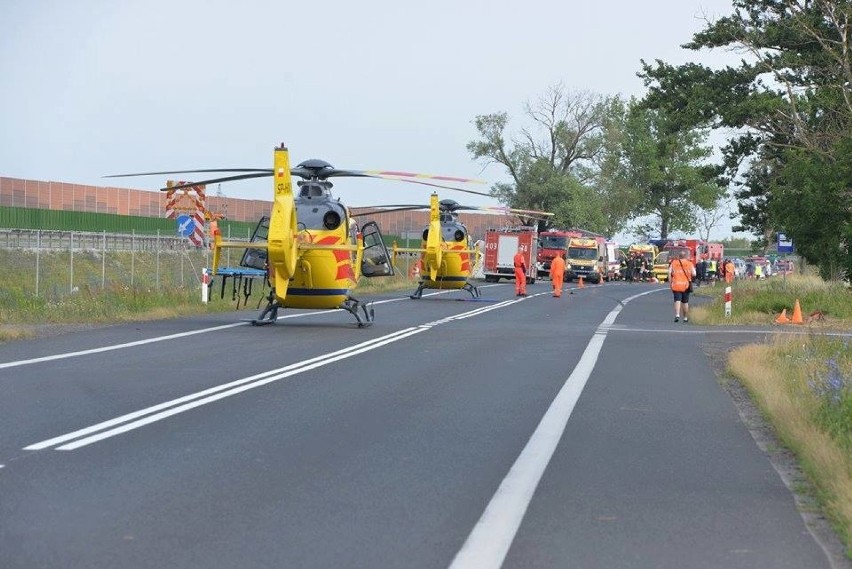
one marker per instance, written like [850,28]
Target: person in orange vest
[681,275]
[729,271]
[557,272]
[520,273]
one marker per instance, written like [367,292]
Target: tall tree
[668,165]
[548,162]
[790,102]
[610,177]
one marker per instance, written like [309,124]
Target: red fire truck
[500,248]
[551,243]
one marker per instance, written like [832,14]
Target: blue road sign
[784,245]
[185,225]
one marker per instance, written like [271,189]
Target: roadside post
[727,302]
[205,285]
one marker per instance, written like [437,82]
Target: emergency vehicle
[695,249]
[586,258]
[551,243]
[650,253]
[613,260]
[500,248]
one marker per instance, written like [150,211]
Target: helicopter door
[376,261]
[256,258]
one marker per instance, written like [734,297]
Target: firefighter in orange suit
[520,273]
[729,271]
[557,272]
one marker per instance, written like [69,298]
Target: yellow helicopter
[448,256]
[310,246]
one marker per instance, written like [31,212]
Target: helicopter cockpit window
[311,191]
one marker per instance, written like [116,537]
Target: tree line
[784,112]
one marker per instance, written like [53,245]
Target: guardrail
[87,241]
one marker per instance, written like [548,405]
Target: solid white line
[175,410]
[117,346]
[149,415]
[716,330]
[489,541]
[206,392]
[175,336]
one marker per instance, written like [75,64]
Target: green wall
[29,218]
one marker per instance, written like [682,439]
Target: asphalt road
[587,431]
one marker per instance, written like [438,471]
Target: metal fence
[56,263]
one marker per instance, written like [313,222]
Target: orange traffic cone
[797,313]
[580,282]
[782,318]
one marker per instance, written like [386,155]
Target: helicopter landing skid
[419,292]
[269,314]
[472,289]
[353,305]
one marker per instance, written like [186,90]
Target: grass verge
[761,301]
[803,385]
[53,292]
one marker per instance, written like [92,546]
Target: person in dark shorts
[681,275]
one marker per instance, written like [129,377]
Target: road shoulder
[782,459]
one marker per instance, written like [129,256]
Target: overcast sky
[89,88]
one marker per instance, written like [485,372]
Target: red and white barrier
[727,302]
[205,286]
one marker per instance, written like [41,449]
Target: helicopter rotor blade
[317,169]
[216,180]
[508,210]
[414,178]
[441,186]
[390,209]
[205,170]
[408,175]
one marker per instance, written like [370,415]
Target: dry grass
[14,332]
[759,302]
[777,376]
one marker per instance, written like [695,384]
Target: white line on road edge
[175,336]
[116,346]
[206,392]
[717,330]
[149,415]
[487,545]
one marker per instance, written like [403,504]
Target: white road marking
[116,346]
[161,411]
[102,349]
[716,330]
[489,541]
